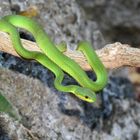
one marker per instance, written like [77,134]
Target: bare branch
[112,55]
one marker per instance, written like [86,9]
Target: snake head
[85,94]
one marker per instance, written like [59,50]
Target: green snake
[53,58]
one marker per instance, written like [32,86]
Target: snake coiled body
[52,58]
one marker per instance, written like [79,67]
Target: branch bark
[112,55]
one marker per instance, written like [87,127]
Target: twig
[112,55]
[29,132]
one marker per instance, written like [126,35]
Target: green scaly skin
[55,60]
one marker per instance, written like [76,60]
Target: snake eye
[86,97]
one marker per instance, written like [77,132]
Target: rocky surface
[118,20]
[12,130]
[50,114]
[53,115]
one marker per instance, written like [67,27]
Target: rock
[11,130]
[118,20]
[5,8]
[53,115]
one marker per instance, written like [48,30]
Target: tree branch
[112,55]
